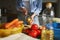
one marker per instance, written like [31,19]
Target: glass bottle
[50,32]
[43,33]
[47,22]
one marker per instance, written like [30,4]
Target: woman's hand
[24,10]
[32,17]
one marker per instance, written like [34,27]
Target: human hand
[24,10]
[33,15]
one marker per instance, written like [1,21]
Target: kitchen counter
[20,36]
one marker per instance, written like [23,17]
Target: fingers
[25,11]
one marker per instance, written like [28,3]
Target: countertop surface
[20,36]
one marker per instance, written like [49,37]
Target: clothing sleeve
[39,7]
[19,4]
[32,5]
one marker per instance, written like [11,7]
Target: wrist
[34,15]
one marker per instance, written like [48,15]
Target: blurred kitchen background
[8,9]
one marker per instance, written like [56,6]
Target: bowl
[7,32]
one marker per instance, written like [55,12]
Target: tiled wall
[58,8]
[49,0]
[11,4]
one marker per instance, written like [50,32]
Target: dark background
[11,13]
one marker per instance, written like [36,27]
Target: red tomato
[33,33]
[27,31]
[39,32]
[34,27]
